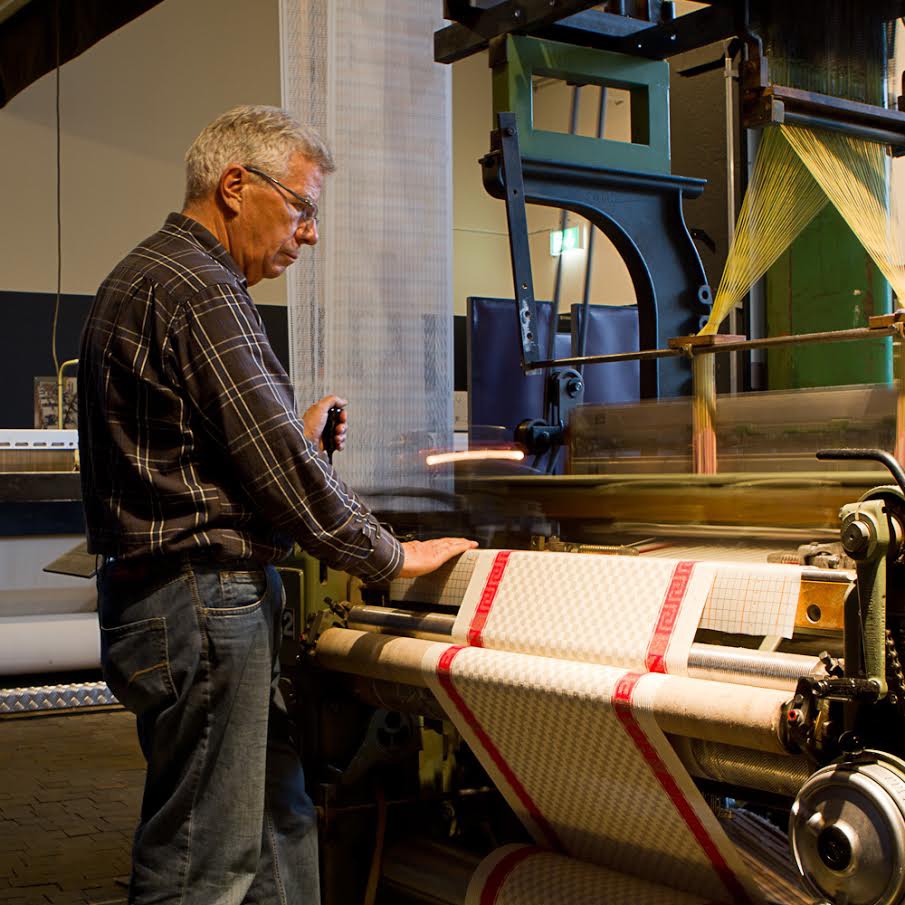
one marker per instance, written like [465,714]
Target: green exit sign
[562,240]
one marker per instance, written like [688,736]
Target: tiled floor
[70,790]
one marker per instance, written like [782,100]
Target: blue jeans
[193,652]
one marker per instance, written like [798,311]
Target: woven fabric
[581,781]
[370,310]
[523,875]
[597,609]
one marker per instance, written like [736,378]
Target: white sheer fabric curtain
[370,309]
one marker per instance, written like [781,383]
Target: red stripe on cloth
[492,585]
[669,612]
[501,871]
[622,703]
[446,681]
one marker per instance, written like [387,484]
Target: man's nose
[306,234]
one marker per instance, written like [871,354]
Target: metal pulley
[847,831]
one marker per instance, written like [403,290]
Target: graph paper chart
[753,600]
[445,587]
[576,752]
[527,875]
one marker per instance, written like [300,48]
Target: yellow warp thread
[853,174]
[795,172]
[782,198]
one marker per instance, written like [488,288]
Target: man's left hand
[315,419]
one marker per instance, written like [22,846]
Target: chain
[895,678]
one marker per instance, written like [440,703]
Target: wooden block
[710,339]
[880,321]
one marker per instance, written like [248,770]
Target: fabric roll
[576,752]
[526,875]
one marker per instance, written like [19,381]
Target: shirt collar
[206,240]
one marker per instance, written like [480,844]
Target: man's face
[272,227]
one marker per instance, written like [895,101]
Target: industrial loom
[674,673]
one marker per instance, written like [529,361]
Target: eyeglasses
[305,207]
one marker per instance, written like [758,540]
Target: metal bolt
[856,538]
[574,387]
[509,131]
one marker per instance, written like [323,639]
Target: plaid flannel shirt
[188,434]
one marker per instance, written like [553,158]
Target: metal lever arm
[507,136]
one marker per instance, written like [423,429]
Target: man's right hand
[423,556]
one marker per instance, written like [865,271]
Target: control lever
[875,455]
[328,437]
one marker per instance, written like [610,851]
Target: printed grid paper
[597,609]
[565,758]
[526,875]
[445,587]
[753,600]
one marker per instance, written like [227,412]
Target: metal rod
[800,339]
[589,261]
[563,220]
[705,661]
[728,75]
[868,133]
[427,626]
[900,396]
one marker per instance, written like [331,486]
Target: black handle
[328,437]
[876,455]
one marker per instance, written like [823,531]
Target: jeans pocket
[136,664]
[241,592]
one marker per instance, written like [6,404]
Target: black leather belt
[160,569]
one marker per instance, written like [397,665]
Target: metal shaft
[705,661]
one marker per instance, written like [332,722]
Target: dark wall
[25,345]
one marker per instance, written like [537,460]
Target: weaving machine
[672,631]
[608,698]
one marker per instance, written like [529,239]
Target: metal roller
[705,661]
[729,764]
[750,667]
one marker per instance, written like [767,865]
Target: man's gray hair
[264,137]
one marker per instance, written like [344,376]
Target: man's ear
[232,186]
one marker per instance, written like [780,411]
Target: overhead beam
[572,22]
[511,16]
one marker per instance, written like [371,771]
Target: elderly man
[197,474]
